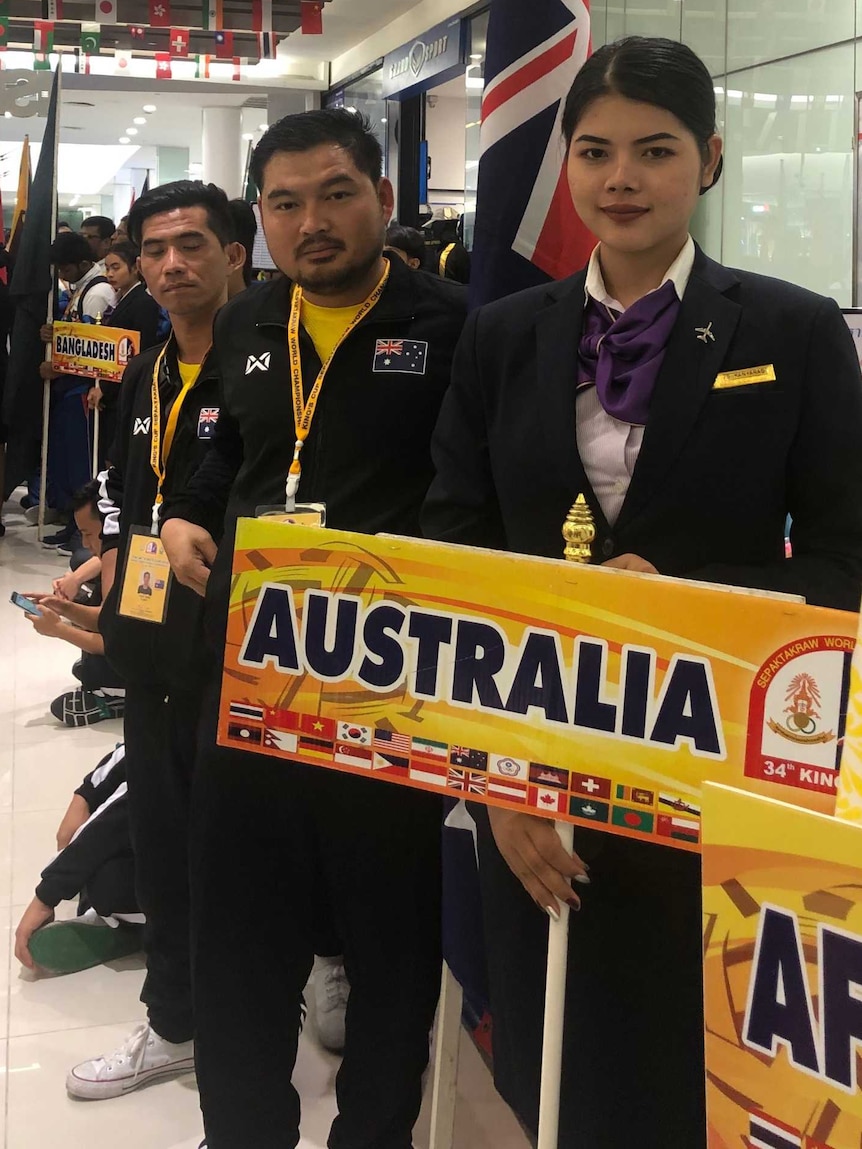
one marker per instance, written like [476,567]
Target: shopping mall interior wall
[445,118]
[786,73]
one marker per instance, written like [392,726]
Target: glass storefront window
[365,95]
[475,81]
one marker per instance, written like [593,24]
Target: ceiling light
[125,140]
[149,107]
[139,120]
[131,131]
[248,135]
[263,127]
[476,56]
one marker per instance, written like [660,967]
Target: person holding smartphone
[611,384]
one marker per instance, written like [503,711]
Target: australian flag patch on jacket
[207,422]
[407,356]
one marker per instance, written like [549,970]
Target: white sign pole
[555,1013]
[95,442]
[448,1039]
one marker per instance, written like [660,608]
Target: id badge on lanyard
[146,580]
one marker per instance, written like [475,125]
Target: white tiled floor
[46,1025]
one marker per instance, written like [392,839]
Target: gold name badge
[744,378]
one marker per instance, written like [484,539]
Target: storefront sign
[594,696]
[93,351]
[782,970]
[23,93]
[437,56]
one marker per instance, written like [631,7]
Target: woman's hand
[94,398]
[535,855]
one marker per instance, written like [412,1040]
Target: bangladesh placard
[587,694]
[93,351]
[782,974]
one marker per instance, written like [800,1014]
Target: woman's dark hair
[125,251]
[651,70]
[406,239]
[306,130]
[183,193]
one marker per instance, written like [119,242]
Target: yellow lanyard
[303,411]
[159,451]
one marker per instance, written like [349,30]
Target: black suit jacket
[138,311]
[718,471]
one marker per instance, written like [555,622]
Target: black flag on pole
[32,281]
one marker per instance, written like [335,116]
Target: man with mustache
[373,343]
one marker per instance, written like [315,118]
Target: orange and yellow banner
[587,694]
[93,351]
[782,974]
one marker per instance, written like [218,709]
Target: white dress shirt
[608,448]
[98,299]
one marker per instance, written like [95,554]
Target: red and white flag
[551,801]
[179,42]
[261,15]
[160,13]
[311,17]
[238,62]
[122,62]
[106,12]
[163,66]
[54,10]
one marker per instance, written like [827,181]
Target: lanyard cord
[160,451]
[303,411]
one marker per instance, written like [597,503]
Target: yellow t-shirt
[326,325]
[188,371]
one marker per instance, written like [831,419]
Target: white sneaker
[51,515]
[331,991]
[142,1058]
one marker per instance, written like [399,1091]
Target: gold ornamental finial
[579,532]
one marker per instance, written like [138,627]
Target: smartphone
[25,603]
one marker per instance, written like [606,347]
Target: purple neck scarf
[623,356]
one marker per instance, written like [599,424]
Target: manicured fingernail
[552,912]
[573,903]
[583,879]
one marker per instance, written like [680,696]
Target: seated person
[101,694]
[407,243]
[95,865]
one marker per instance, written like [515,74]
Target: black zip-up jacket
[172,653]
[105,834]
[368,453]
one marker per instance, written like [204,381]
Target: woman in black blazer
[617,383]
[134,310]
